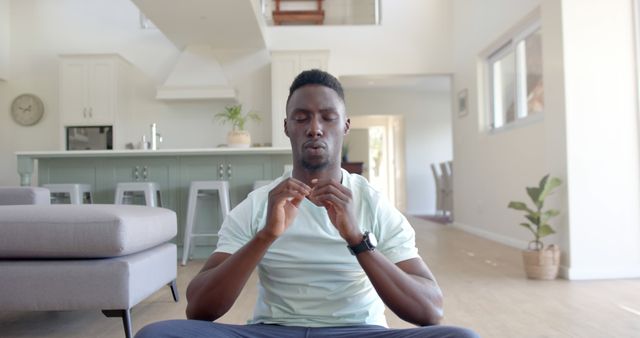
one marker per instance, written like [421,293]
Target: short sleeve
[396,237]
[236,229]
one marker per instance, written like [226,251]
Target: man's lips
[314,145]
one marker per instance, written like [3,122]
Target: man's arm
[408,288]
[217,286]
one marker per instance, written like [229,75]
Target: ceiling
[221,24]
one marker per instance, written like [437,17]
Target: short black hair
[317,77]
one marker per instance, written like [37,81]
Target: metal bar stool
[196,190]
[76,193]
[128,190]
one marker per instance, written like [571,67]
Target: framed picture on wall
[463,110]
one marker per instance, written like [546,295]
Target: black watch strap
[363,246]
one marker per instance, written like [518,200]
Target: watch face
[372,239]
[27,109]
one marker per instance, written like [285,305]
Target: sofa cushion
[82,231]
[24,195]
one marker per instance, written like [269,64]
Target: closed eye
[300,117]
[330,116]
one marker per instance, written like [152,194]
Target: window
[514,72]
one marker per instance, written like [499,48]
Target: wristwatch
[368,243]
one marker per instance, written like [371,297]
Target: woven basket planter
[542,264]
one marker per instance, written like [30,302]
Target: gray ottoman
[71,257]
[24,195]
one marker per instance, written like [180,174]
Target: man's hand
[284,200]
[338,201]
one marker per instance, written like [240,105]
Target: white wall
[427,119]
[588,136]
[4,39]
[43,29]
[602,139]
[414,38]
[491,169]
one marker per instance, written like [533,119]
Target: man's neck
[306,175]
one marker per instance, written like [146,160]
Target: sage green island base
[173,170]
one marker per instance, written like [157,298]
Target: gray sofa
[72,257]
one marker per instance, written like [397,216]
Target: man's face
[316,124]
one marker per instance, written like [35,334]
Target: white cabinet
[285,66]
[91,89]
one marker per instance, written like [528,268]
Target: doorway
[377,141]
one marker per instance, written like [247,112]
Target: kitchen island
[172,169]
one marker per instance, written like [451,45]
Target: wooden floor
[483,282]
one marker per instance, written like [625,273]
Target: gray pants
[195,328]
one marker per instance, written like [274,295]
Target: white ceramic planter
[238,139]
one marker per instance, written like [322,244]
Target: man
[312,235]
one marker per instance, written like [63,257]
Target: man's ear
[347,126]
[286,132]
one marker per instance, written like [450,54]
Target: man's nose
[315,127]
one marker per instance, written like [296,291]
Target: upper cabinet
[285,66]
[4,39]
[91,89]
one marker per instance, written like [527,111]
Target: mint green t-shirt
[308,277]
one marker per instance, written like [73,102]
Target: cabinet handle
[221,171]
[90,112]
[145,172]
[84,112]
[136,176]
[229,171]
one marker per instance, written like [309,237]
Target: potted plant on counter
[238,137]
[540,262]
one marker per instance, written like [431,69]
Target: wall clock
[27,109]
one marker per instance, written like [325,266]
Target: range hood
[197,75]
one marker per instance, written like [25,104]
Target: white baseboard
[602,272]
[512,242]
[571,273]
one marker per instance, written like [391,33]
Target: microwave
[90,138]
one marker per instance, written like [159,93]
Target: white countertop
[159,152]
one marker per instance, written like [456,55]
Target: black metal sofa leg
[126,319]
[126,314]
[174,290]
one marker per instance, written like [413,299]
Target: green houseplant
[238,137]
[540,262]
[345,152]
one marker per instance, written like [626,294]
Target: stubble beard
[314,166]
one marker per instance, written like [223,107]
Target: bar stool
[149,190]
[196,190]
[76,193]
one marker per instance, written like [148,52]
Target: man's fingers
[319,184]
[332,200]
[345,196]
[290,188]
[296,201]
[288,196]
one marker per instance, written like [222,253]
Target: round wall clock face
[27,109]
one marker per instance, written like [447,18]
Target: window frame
[511,44]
